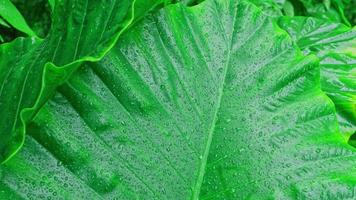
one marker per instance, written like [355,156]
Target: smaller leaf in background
[342,11]
[188,2]
[352,140]
[288,9]
[338,80]
[350,11]
[270,7]
[335,45]
[331,10]
[327,4]
[340,7]
[52,3]
[37,14]
[10,13]
[4,23]
[320,36]
[8,33]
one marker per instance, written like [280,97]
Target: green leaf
[10,13]
[212,102]
[29,75]
[335,44]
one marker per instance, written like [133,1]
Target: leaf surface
[212,102]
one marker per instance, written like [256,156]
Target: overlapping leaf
[30,75]
[337,11]
[335,45]
[211,102]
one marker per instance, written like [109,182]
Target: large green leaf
[335,44]
[210,102]
[29,76]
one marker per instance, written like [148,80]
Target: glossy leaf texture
[10,13]
[30,76]
[335,45]
[212,102]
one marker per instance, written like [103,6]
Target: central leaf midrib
[204,159]
[197,187]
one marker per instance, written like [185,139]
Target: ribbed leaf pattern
[212,101]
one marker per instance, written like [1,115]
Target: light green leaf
[335,44]
[212,102]
[29,75]
[10,13]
